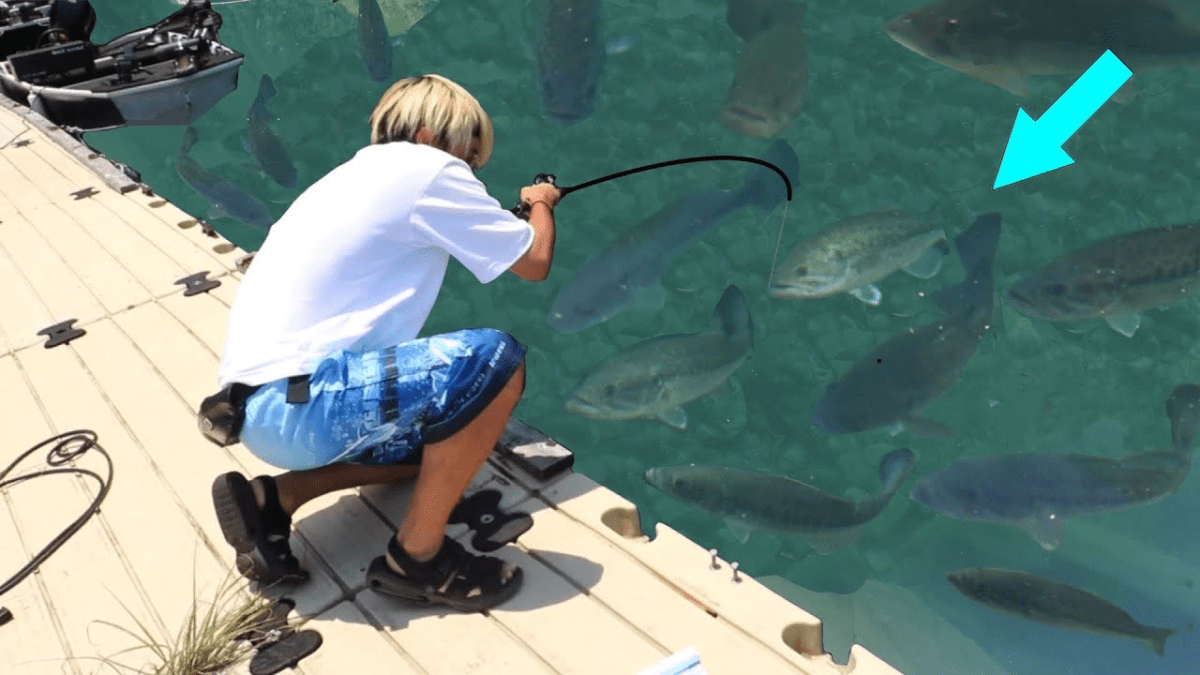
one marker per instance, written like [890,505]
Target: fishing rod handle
[522,210]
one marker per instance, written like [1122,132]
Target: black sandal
[454,577]
[260,536]
[493,528]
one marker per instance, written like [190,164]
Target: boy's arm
[535,264]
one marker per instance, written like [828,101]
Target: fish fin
[1006,77]
[1127,92]
[893,429]
[739,529]
[976,248]
[215,212]
[1046,530]
[675,418]
[398,40]
[245,139]
[1183,410]
[832,541]
[928,265]
[929,429]
[895,467]
[732,318]
[1125,324]
[869,294]
[1157,641]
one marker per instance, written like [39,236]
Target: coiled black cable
[67,446]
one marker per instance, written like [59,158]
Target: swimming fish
[629,269]
[1114,278]
[772,72]
[1054,603]
[375,41]
[753,500]
[1001,42]
[570,54]
[226,198]
[1039,492]
[268,150]
[851,255]
[906,373]
[655,378]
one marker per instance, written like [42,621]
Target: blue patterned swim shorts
[381,407]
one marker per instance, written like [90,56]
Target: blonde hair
[452,115]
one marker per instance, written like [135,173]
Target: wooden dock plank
[353,645]
[166,426]
[61,290]
[17,188]
[141,258]
[643,598]
[89,566]
[32,643]
[184,226]
[206,318]
[348,535]
[757,610]
[24,311]
[114,286]
[161,542]
[171,241]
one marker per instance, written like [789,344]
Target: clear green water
[880,127]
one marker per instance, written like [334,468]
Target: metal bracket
[279,645]
[61,333]
[198,283]
[86,192]
[243,263]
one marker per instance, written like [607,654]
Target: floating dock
[84,246]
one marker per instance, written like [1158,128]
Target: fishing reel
[522,210]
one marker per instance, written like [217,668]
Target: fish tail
[190,136]
[266,91]
[732,317]
[1157,639]
[1183,409]
[895,468]
[976,248]
[762,187]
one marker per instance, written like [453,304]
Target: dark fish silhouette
[753,500]
[888,386]
[1054,603]
[268,150]
[1038,492]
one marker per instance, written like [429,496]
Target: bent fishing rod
[522,210]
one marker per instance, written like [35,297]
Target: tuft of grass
[206,643]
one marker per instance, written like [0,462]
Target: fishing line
[522,210]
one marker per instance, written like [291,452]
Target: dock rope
[67,447]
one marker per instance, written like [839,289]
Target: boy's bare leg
[447,468]
[298,487]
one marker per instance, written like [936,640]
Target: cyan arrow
[1036,147]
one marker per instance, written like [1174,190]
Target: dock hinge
[61,333]
[198,283]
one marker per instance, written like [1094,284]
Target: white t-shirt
[358,260]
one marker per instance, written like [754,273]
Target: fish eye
[801,271]
[1056,289]
[591,91]
[950,26]
[610,390]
